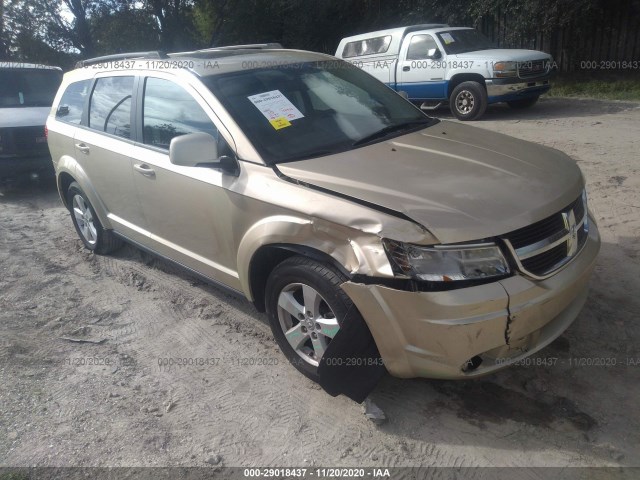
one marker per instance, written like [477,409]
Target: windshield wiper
[390,129]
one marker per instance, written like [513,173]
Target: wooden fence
[610,41]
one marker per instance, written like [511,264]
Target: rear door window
[110,108]
[72,102]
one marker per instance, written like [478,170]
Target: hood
[462,183]
[503,55]
[24,117]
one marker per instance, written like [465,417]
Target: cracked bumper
[435,334]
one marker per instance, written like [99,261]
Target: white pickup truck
[436,63]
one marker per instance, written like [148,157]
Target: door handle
[144,170]
[83,148]
[406,69]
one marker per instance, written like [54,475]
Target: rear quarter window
[72,102]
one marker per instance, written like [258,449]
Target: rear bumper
[435,334]
[18,165]
[507,89]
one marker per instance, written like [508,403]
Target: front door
[419,74]
[187,209]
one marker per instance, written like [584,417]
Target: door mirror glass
[434,53]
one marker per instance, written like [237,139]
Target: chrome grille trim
[533,68]
[546,244]
[548,255]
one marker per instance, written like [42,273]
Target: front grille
[544,247]
[533,68]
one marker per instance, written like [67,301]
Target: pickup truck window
[463,41]
[333,107]
[420,46]
[369,46]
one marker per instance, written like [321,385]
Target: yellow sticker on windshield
[447,37]
[279,123]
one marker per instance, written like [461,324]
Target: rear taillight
[46,132]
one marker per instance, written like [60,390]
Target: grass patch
[604,86]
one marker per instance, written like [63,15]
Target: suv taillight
[46,132]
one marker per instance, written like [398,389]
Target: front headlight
[505,69]
[447,263]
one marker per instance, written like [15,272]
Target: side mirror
[434,53]
[200,150]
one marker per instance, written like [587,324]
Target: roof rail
[119,57]
[252,46]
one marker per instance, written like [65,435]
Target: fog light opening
[471,364]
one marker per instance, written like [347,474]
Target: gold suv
[375,237]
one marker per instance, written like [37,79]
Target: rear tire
[523,103]
[306,308]
[468,101]
[88,226]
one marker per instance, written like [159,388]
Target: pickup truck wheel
[523,103]
[468,101]
[306,307]
[88,227]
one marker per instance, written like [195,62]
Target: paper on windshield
[446,36]
[276,108]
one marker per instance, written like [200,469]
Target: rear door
[103,148]
[187,209]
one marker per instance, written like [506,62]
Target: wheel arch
[459,78]
[69,171]
[268,257]
[64,180]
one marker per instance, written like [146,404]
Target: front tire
[468,101]
[523,103]
[306,308]
[88,226]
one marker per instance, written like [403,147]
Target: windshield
[462,41]
[304,110]
[27,87]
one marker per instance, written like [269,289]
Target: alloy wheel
[465,102]
[307,321]
[84,219]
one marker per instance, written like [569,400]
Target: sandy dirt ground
[108,402]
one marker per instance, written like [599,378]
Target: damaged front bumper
[473,331]
[508,89]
